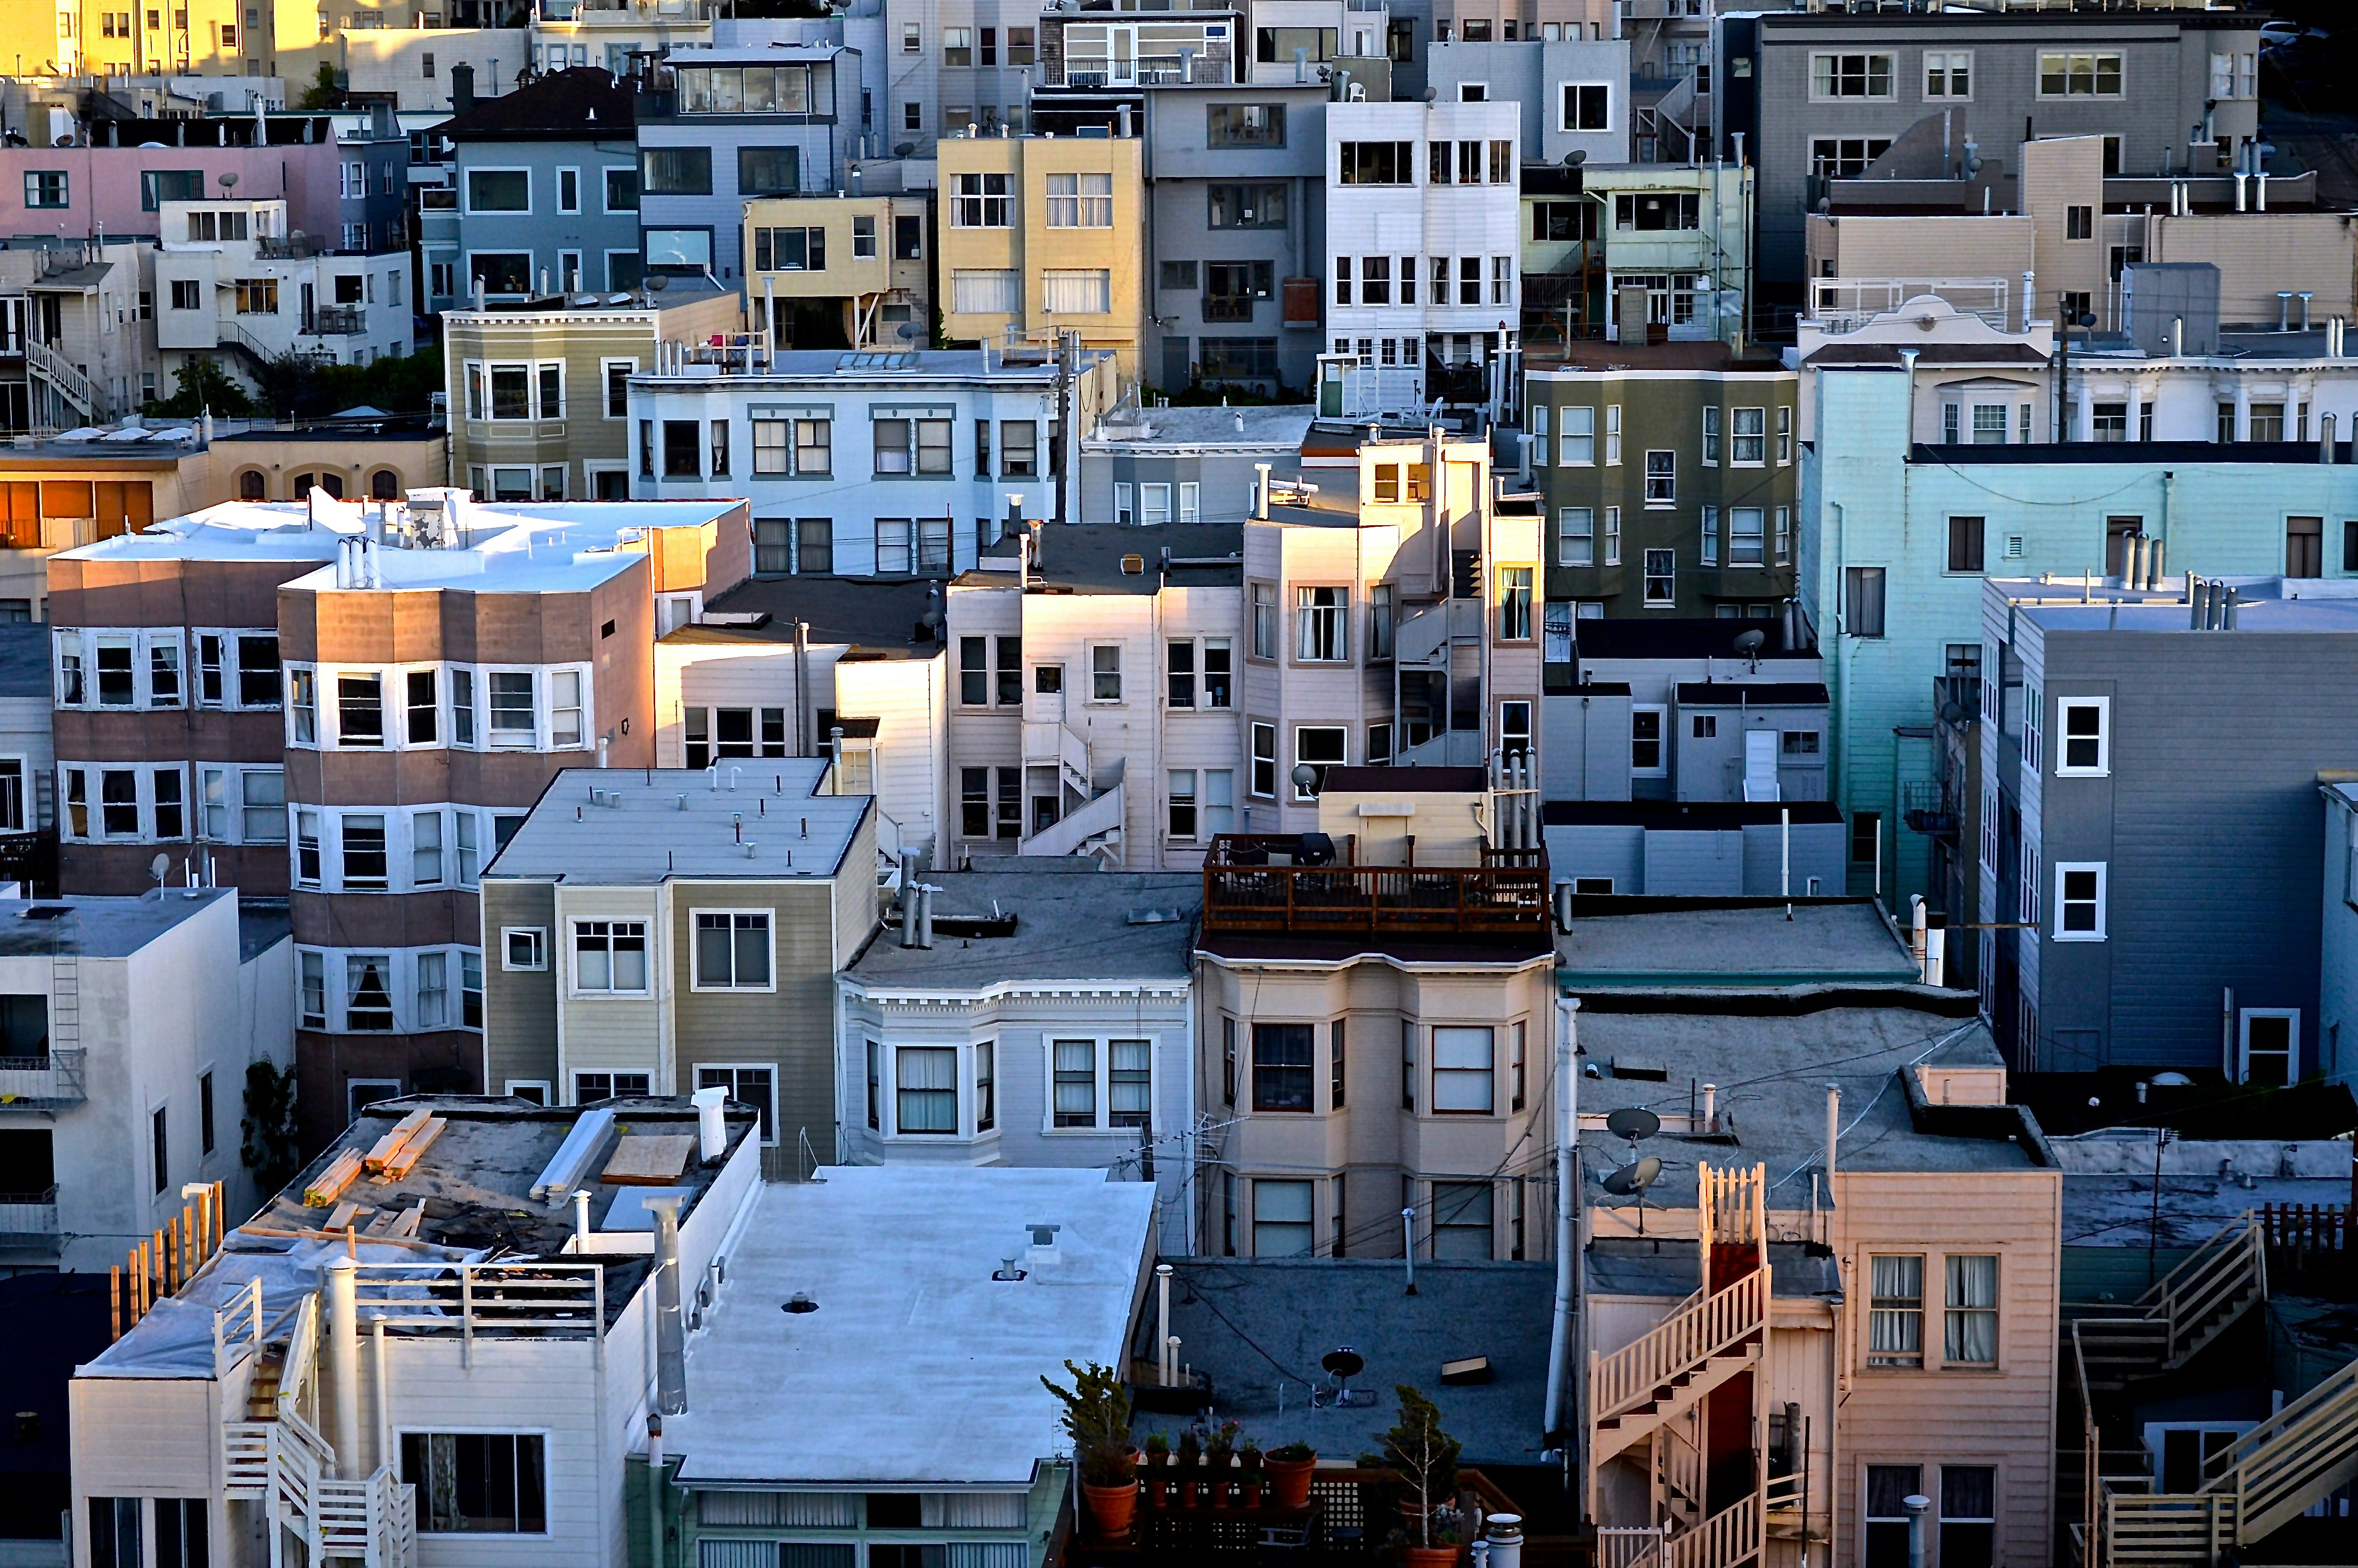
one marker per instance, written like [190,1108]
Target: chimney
[462,87]
[711,1130]
[924,915]
[671,1337]
[1261,493]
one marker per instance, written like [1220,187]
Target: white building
[127,1026]
[231,277]
[1036,1014]
[867,464]
[1422,219]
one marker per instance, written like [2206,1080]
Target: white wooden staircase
[1653,1390]
[278,1458]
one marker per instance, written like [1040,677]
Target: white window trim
[539,934]
[1663,770]
[2038,71]
[772,1068]
[573,987]
[887,1086]
[2104,765]
[144,794]
[1103,1063]
[467,195]
[2243,1017]
[604,367]
[402,985]
[2056,871]
[547,1096]
[558,194]
[770,927]
[1892,74]
[83,643]
[1612,108]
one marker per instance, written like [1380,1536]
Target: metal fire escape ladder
[65,1014]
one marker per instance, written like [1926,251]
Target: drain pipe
[1567,1127]
[655,1489]
[671,1338]
[344,1362]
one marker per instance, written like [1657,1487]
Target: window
[1322,624]
[732,950]
[1264,620]
[1281,1066]
[1587,106]
[790,250]
[1263,782]
[477,1483]
[1019,448]
[1282,1220]
[1462,1222]
[1244,124]
[1661,478]
[45,187]
[1575,536]
[1105,672]
[1889,1488]
[1711,536]
[1862,601]
[1710,434]
[1129,1081]
[157,185]
[1836,76]
[2268,1035]
[1947,74]
[2084,722]
[1319,747]
[2094,75]
[1576,437]
[1970,1337]
[1748,444]
[1080,200]
[2304,548]
[2079,222]
[1180,814]
[1895,1325]
[774,171]
[609,955]
[1073,1066]
[1661,572]
[1844,158]
[1337,1064]
[364,851]
[925,1089]
[512,708]
[1462,1070]
[368,993]
[499,190]
[1515,604]
[1377,163]
[979,201]
[2079,901]
[523,948]
[1076,292]
[1247,207]
[590,1088]
[1965,544]
[675,172]
[1379,627]
[1969,1514]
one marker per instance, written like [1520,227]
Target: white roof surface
[917,1368]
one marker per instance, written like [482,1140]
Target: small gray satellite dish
[160,868]
[1632,1180]
[1633,1122]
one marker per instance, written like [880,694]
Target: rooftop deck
[1266,882]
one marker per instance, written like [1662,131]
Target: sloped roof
[578,103]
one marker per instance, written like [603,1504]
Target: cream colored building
[414,64]
[835,271]
[1374,1041]
[97,37]
[1042,235]
[539,406]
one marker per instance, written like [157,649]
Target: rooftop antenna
[1636,1124]
[1748,646]
[1343,1363]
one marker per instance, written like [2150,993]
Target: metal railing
[337,321]
[56,1078]
[29,1213]
[545,1299]
[1506,896]
[1839,305]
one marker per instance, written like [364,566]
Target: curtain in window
[1077,293]
[1077,1083]
[1972,1334]
[984,292]
[1896,1329]
[928,1080]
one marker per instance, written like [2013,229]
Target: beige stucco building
[835,271]
[1044,234]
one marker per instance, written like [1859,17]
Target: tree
[323,94]
[1426,1456]
[201,385]
[271,1149]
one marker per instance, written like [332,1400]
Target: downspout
[344,1363]
[1567,1124]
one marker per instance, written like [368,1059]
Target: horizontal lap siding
[548,1387]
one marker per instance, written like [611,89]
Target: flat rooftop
[1142,432]
[1260,1327]
[918,1368]
[1751,944]
[895,368]
[873,618]
[96,927]
[1688,637]
[1109,926]
[2108,1183]
[474,1182]
[1685,815]
[2316,606]
[1076,558]
[751,819]
[1772,1068]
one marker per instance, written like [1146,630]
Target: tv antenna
[1636,1124]
[1343,1363]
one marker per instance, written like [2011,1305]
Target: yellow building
[122,38]
[1044,234]
[832,272]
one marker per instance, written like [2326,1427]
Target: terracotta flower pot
[1289,1481]
[1251,1490]
[1112,1508]
[1157,1490]
[1431,1556]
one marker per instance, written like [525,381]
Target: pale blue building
[1901,534]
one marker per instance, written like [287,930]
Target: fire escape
[1688,1400]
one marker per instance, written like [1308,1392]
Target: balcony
[337,321]
[1245,890]
[42,1083]
[28,1217]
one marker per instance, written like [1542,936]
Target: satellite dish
[1343,1363]
[1305,778]
[1633,1122]
[1632,1180]
[1574,158]
[160,868]
[909,330]
[1749,644]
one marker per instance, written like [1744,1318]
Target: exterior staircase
[1091,819]
[1654,1390]
[2185,1310]
[45,365]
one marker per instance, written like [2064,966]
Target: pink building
[80,192]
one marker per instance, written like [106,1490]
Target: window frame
[574,931]
[696,980]
[2063,869]
[2103,766]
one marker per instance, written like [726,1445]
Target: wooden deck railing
[1506,896]
[1705,1327]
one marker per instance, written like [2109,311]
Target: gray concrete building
[662,931]
[1574,94]
[2149,816]
[948,64]
[1143,465]
[734,126]
[1820,94]
[544,185]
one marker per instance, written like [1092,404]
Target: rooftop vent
[1133,565]
[45,912]
[800,1303]
[1641,1072]
[1155,916]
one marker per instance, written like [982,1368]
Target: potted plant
[1251,1478]
[1191,1468]
[1096,1419]
[1425,1458]
[1220,1453]
[1158,1462]
[1289,1469]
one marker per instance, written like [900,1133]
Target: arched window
[252,486]
[302,485]
[384,485]
[333,484]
